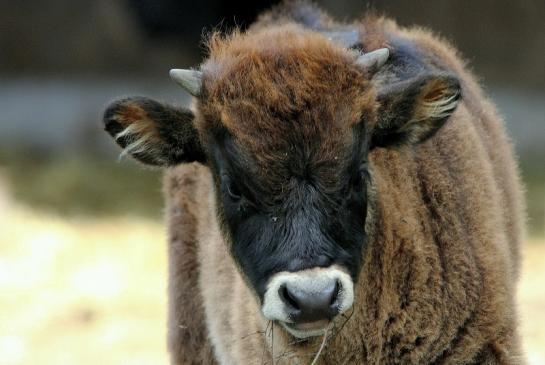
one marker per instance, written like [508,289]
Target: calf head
[285,121]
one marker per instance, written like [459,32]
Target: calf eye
[231,188]
[233,191]
[361,178]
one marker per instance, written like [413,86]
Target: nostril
[287,298]
[335,294]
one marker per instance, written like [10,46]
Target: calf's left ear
[154,133]
[411,111]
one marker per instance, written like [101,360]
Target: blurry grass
[80,185]
[83,272]
[81,291]
[533,175]
[93,290]
[531,300]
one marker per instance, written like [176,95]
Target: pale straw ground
[76,291]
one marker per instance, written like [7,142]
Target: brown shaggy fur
[439,276]
[317,82]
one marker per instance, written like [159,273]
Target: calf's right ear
[154,133]
[413,110]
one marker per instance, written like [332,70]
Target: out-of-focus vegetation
[94,187]
[531,300]
[533,176]
[81,291]
[84,186]
[83,272]
[88,290]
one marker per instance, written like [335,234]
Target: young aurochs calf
[342,188]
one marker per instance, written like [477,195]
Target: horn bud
[374,60]
[190,80]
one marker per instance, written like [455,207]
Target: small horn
[373,60]
[190,80]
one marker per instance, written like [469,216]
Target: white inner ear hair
[439,108]
[141,140]
[429,110]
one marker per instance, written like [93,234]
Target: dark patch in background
[62,61]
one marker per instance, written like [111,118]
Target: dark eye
[361,178]
[231,188]
[233,191]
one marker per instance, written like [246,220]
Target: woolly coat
[439,274]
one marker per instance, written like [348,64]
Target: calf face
[285,120]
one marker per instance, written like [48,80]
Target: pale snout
[306,301]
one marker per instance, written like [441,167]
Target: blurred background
[82,243]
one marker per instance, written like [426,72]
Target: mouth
[306,330]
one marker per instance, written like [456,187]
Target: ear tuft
[411,111]
[128,124]
[439,99]
[153,133]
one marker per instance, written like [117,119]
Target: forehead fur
[283,91]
